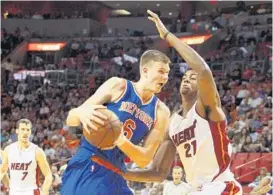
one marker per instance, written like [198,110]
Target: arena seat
[245,179]
[246,190]
[253,157]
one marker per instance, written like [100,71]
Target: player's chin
[157,90]
[184,91]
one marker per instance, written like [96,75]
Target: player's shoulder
[163,109]
[39,153]
[117,83]
[39,150]
[11,146]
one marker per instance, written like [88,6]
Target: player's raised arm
[208,98]
[142,156]
[86,113]
[44,167]
[160,167]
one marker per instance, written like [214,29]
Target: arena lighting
[195,39]
[45,46]
[122,12]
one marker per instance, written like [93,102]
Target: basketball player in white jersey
[197,131]
[23,159]
[177,186]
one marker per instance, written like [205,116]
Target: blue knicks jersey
[137,119]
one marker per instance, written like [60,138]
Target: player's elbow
[144,161]
[143,164]
[161,175]
[72,119]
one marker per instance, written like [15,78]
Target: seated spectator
[228,99]
[56,182]
[147,190]
[44,110]
[264,187]
[236,145]
[248,146]
[263,173]
[244,106]
[247,74]
[255,100]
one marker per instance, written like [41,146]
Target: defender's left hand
[159,25]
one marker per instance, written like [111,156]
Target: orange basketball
[106,134]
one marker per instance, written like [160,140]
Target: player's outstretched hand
[159,25]
[89,116]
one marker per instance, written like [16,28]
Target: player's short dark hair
[24,121]
[153,55]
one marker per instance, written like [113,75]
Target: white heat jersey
[203,147]
[23,168]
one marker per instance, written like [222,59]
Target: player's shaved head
[153,55]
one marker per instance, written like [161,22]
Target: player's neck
[187,103]
[177,182]
[143,93]
[23,145]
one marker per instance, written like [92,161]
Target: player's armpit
[44,167]
[160,167]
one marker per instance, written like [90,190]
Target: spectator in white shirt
[256,100]
[243,93]
[44,110]
[147,190]
[177,186]
[37,16]
[49,151]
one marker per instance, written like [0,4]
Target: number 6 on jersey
[128,127]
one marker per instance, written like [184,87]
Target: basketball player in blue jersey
[92,171]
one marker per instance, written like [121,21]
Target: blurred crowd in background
[244,82]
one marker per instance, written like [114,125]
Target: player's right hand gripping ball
[106,134]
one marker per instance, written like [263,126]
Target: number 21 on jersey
[128,128]
[190,149]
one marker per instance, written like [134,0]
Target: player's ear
[145,70]
[17,131]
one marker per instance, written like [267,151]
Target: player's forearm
[147,175]
[2,175]
[160,167]
[193,59]
[47,183]
[5,181]
[3,172]
[140,155]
